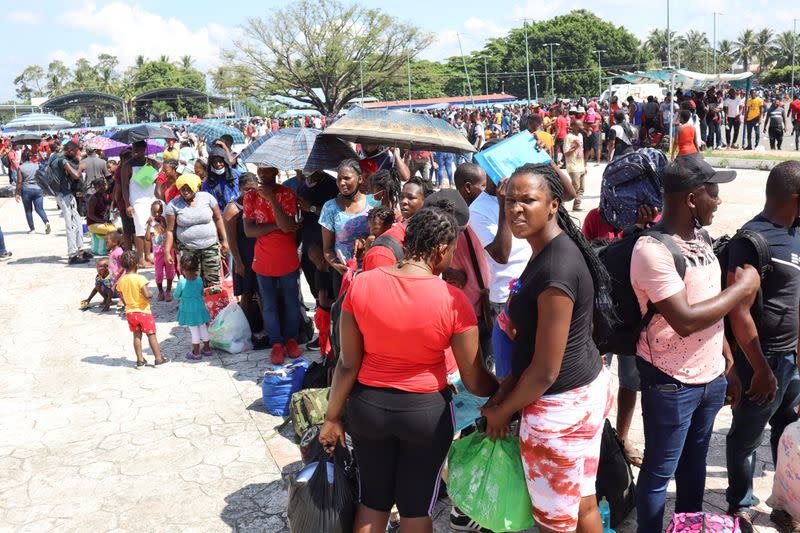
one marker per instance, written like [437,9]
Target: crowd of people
[459,275]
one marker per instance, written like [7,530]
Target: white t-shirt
[732,106]
[484,214]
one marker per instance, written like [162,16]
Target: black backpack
[50,178]
[763,266]
[336,309]
[616,256]
[614,476]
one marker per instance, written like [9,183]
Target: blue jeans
[749,127]
[445,160]
[12,176]
[289,288]
[749,421]
[463,158]
[32,198]
[678,419]
[2,242]
[627,371]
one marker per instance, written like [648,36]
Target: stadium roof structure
[440,103]
[170,94]
[84,99]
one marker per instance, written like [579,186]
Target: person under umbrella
[222,181]
[138,197]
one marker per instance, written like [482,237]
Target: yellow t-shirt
[546,138]
[130,287]
[172,154]
[754,107]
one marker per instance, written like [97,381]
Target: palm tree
[744,48]
[764,49]
[164,58]
[784,43]
[656,42]
[725,55]
[187,62]
[694,48]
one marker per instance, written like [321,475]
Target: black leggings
[775,138]
[400,440]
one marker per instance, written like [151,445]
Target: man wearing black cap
[682,358]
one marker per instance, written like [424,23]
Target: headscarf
[189,179]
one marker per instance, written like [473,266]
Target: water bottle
[605,515]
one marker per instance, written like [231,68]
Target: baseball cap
[690,171]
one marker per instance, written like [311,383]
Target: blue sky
[72,29]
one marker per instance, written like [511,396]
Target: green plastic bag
[145,176]
[486,482]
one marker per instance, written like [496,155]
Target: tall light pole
[669,44]
[794,48]
[408,63]
[361,75]
[552,72]
[714,61]
[486,76]
[528,61]
[599,73]
[466,73]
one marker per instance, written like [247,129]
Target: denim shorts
[627,372]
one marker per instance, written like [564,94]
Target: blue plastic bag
[280,383]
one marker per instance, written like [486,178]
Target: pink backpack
[703,523]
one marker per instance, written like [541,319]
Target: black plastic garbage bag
[322,498]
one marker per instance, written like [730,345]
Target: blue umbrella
[37,122]
[215,130]
[253,146]
[299,149]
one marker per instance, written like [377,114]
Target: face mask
[351,195]
[218,171]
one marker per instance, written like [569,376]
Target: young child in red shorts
[132,288]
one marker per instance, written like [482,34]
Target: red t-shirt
[276,252]
[794,110]
[171,193]
[595,228]
[388,324]
[562,125]
[379,256]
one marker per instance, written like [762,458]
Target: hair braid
[603,304]
[383,179]
[426,230]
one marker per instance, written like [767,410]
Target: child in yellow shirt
[133,291]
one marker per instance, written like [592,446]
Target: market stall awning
[686,79]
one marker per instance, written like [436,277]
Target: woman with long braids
[400,411]
[385,187]
[558,379]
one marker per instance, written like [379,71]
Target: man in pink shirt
[683,358]
[561,129]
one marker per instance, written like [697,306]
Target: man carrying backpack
[65,165]
[682,357]
[767,336]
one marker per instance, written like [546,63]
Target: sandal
[163,361]
[141,364]
[206,353]
[784,521]
[191,356]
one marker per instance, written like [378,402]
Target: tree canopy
[325,45]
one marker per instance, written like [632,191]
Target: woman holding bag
[558,380]
[194,226]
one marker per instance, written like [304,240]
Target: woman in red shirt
[393,370]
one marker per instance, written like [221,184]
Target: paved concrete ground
[90,444]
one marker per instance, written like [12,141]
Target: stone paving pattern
[91,444]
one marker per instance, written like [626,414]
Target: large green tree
[324,44]
[31,82]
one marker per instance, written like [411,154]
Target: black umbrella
[142,132]
[26,138]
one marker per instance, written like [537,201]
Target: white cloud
[136,31]
[24,17]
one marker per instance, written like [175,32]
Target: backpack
[763,266]
[307,408]
[616,256]
[615,480]
[49,179]
[6,161]
[629,181]
[336,309]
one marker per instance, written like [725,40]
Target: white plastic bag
[786,485]
[230,330]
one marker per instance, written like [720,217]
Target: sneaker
[163,361]
[461,522]
[75,260]
[313,346]
[47,228]
[745,517]
[5,255]
[87,254]
[278,354]
[293,349]
[784,521]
